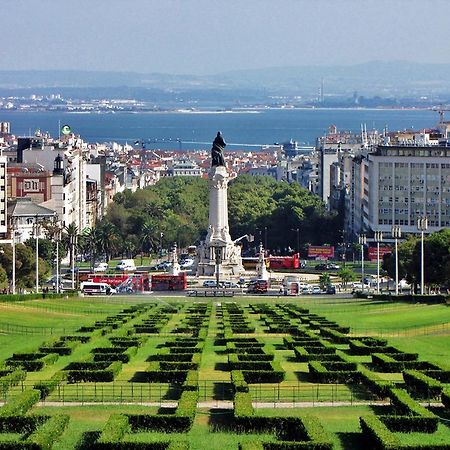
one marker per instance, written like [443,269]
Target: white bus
[91,288]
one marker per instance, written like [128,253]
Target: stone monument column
[218,238]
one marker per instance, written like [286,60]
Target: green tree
[346,275]
[324,280]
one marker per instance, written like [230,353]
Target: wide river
[196,130]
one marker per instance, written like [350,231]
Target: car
[126,265]
[306,290]
[209,284]
[333,266]
[229,285]
[316,290]
[101,267]
[331,290]
[186,263]
[321,266]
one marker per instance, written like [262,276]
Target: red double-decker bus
[131,282]
[165,282]
[284,262]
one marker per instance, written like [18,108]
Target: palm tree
[107,238]
[148,238]
[91,243]
[72,238]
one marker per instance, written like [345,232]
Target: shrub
[404,405]
[20,404]
[46,434]
[11,378]
[240,385]
[377,435]
[445,397]
[114,430]
[47,386]
[191,383]
[421,385]
[374,383]
[243,405]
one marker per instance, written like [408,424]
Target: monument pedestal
[218,242]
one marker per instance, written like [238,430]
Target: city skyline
[207,37]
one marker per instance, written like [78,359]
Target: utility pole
[378,239]
[362,239]
[422,226]
[396,234]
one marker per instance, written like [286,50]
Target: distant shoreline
[250,110]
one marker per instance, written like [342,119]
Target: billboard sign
[321,251]
[384,250]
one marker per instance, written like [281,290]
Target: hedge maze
[172,359]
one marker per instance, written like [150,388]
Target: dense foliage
[436,259]
[178,208]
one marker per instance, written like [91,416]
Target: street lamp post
[396,234]
[362,239]
[57,238]
[378,239]
[161,235]
[265,238]
[422,226]
[73,243]
[36,229]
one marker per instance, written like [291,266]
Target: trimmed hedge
[11,378]
[335,336]
[421,385]
[319,373]
[377,435]
[44,437]
[106,374]
[114,430]
[389,363]
[243,407]
[239,383]
[403,404]
[48,386]
[179,422]
[374,383]
[445,398]
[20,404]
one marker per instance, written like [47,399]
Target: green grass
[411,328]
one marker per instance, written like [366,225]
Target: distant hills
[384,79]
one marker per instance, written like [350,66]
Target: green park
[156,372]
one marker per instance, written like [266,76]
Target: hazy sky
[210,36]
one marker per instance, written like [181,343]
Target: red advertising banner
[384,250]
[321,251]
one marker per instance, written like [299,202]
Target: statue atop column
[217,151]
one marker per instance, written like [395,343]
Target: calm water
[264,127]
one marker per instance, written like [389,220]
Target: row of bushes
[31,362]
[335,372]
[421,385]
[10,378]
[20,404]
[114,433]
[23,297]
[105,374]
[294,432]
[399,362]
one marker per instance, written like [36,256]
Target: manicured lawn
[422,329]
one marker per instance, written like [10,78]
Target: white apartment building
[68,163]
[396,185]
